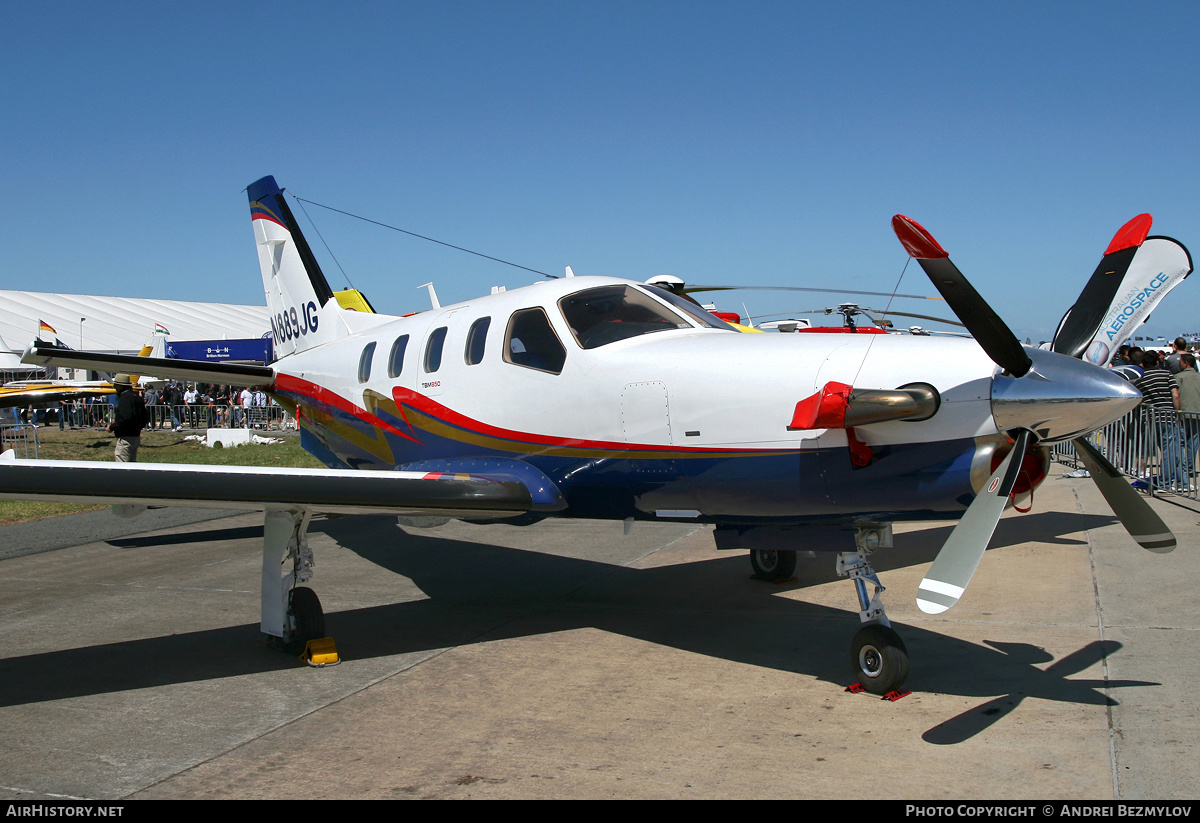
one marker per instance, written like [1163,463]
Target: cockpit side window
[607,314]
[532,343]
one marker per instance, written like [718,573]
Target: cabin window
[607,314]
[364,363]
[476,340]
[396,358]
[532,343]
[433,350]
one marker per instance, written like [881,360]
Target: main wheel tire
[773,565]
[879,659]
[305,617]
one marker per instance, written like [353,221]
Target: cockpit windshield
[687,304]
[607,314]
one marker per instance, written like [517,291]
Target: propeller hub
[1060,398]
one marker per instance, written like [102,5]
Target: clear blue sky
[755,143]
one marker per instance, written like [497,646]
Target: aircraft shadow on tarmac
[481,592]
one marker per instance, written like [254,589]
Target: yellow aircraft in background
[46,391]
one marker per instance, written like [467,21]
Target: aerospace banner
[1160,265]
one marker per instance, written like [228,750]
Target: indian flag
[159,328]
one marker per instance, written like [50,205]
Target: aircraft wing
[341,491]
[38,353]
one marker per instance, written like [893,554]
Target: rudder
[303,310]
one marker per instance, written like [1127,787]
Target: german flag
[44,326]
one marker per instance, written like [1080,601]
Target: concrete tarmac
[566,660]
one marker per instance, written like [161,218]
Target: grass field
[157,447]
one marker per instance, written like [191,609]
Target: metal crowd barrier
[203,416]
[1158,456]
[90,415]
[21,438]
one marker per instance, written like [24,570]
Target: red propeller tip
[918,242]
[1131,234]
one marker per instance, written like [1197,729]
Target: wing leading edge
[340,491]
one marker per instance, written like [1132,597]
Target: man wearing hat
[128,421]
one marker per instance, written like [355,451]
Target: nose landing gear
[878,656]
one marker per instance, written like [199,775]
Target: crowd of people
[128,412]
[1165,431]
[174,406]
[207,405]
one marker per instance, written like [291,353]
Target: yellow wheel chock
[321,652]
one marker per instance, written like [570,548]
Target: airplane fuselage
[678,422]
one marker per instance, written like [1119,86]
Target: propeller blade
[955,564]
[1079,324]
[989,331]
[1135,514]
[1093,329]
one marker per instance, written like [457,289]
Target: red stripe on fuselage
[319,395]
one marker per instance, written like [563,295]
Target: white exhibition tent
[117,324]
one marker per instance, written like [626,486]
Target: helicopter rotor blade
[690,289]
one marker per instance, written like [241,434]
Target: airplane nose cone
[1061,398]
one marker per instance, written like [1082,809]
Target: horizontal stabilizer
[340,491]
[38,353]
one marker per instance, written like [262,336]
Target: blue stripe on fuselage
[918,481]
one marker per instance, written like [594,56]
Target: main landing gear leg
[290,612]
[877,654]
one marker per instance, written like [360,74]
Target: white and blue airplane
[591,397]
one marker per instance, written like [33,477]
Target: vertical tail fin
[303,310]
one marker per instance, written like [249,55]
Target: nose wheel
[879,659]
